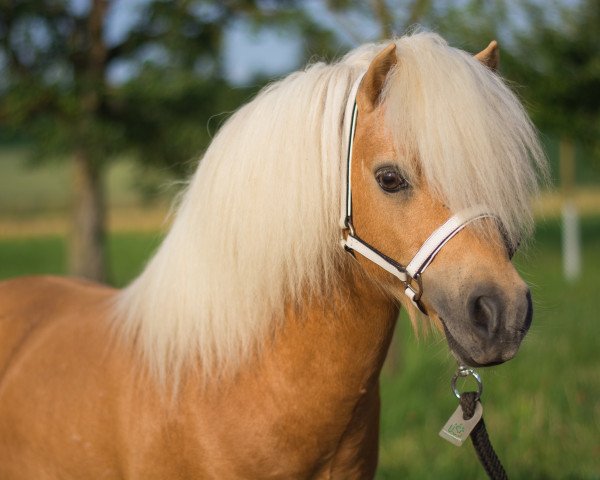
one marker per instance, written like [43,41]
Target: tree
[55,83]
[559,59]
[56,88]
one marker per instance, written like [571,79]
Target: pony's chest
[273,437]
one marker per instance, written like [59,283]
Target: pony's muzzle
[499,325]
[491,327]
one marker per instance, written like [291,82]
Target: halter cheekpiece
[409,275]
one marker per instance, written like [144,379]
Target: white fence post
[571,241]
[571,250]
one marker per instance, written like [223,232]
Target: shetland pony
[251,344]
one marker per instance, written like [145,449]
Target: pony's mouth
[461,354]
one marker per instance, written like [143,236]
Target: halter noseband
[410,276]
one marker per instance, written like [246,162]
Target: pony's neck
[322,372]
[311,393]
[344,335]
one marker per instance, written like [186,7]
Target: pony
[251,344]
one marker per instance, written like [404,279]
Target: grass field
[542,409]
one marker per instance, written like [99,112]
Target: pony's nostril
[485,314]
[529,314]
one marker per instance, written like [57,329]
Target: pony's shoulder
[43,282]
[32,305]
[45,293]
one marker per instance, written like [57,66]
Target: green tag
[457,430]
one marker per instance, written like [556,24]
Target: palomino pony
[251,345]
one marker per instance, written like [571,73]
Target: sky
[247,53]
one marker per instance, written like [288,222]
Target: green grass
[542,409]
[127,254]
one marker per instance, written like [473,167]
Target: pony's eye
[390,179]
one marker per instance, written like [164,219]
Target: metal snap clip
[464,371]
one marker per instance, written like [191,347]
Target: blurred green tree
[55,88]
[558,58]
[58,89]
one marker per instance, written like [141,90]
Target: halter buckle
[412,282]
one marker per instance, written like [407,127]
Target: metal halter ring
[465,372]
[349,226]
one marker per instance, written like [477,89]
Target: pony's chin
[469,362]
[462,356]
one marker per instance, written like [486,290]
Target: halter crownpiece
[410,276]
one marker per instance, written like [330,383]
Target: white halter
[410,276]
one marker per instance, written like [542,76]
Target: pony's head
[438,133]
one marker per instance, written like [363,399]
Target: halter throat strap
[410,276]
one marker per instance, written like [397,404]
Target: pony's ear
[371,86]
[490,56]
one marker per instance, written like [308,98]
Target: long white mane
[257,228]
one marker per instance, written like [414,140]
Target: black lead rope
[479,437]
[467,421]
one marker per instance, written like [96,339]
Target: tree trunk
[87,250]
[87,255]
